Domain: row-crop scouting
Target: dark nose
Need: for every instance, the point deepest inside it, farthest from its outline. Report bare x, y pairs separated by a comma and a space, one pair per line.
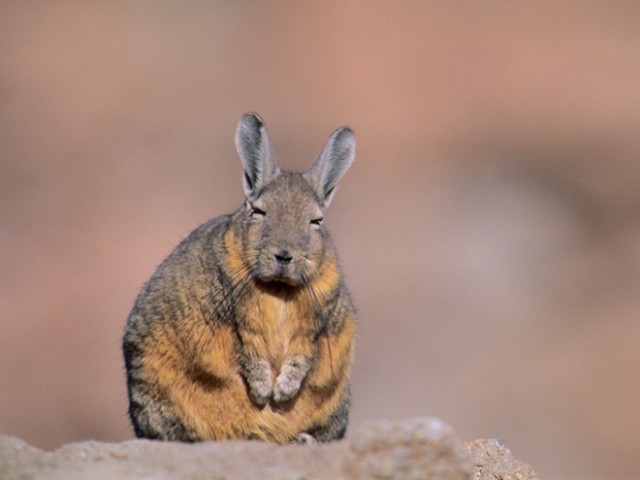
283, 257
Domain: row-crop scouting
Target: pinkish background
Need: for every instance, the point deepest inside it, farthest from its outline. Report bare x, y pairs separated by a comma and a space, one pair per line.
490, 228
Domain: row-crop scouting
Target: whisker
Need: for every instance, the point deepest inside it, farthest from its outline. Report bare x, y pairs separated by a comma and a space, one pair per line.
220, 306
322, 331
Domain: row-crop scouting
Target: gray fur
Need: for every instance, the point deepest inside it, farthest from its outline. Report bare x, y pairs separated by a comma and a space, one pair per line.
336, 157
288, 382
254, 148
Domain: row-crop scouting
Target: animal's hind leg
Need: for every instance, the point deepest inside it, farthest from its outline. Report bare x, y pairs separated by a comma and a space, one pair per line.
153, 418
335, 427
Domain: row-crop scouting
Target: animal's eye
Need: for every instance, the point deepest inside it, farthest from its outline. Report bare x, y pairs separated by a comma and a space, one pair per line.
317, 221
257, 212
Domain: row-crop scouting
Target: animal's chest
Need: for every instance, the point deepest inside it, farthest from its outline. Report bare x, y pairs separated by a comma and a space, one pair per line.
281, 322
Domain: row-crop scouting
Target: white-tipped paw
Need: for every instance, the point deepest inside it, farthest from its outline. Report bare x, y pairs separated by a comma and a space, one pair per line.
260, 391
260, 383
288, 382
305, 439
286, 387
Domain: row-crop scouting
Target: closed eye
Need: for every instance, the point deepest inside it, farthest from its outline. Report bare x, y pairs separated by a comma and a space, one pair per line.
317, 221
255, 211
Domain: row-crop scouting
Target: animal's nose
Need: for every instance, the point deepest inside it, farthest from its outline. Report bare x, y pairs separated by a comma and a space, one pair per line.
283, 257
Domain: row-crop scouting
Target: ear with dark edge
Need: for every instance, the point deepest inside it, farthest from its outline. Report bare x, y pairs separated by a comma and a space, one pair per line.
336, 157
254, 148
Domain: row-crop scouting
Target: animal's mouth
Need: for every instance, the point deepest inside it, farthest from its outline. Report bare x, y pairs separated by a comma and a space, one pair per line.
282, 274
281, 278
277, 288
280, 267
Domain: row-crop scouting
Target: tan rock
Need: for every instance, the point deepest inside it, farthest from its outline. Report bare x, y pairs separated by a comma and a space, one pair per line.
415, 448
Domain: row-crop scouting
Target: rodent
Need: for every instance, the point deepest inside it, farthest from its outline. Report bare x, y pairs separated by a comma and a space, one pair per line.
246, 330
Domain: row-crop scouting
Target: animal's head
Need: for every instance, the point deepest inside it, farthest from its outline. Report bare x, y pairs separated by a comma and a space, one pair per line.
283, 213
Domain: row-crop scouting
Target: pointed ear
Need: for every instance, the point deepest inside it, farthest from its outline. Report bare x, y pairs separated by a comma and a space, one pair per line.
336, 157
254, 148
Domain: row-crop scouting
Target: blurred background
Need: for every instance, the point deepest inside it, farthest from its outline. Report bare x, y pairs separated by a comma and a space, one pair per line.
489, 229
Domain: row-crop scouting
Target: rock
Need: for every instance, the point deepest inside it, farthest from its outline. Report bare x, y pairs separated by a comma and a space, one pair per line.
494, 461
406, 449
419, 448
16, 454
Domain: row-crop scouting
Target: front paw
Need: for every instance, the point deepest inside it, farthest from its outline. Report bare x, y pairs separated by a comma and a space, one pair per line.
260, 382
290, 379
260, 391
286, 387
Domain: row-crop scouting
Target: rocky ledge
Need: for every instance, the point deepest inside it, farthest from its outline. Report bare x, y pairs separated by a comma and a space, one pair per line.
418, 448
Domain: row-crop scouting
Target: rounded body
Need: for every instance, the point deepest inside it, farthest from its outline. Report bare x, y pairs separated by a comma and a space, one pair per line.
186, 336
246, 330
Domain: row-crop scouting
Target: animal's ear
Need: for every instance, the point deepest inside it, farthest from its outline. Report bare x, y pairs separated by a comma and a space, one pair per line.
254, 148
336, 157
